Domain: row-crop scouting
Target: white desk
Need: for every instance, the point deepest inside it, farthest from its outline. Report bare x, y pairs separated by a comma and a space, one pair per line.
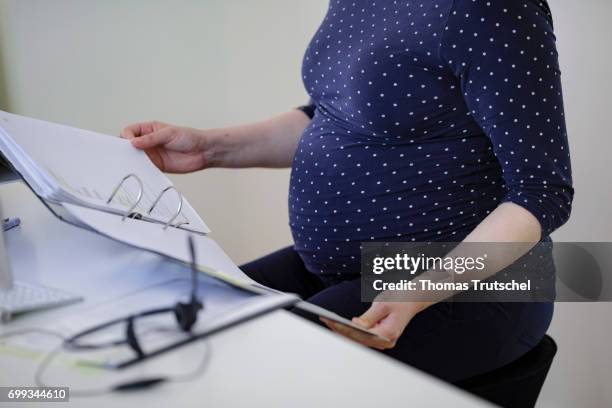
274, 360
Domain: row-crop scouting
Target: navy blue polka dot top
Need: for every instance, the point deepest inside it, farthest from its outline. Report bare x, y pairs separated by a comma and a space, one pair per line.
428, 115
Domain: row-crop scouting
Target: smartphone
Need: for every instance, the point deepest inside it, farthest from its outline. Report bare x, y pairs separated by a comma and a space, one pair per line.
321, 312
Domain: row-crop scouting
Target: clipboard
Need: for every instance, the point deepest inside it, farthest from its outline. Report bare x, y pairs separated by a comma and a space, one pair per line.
57, 209
133, 187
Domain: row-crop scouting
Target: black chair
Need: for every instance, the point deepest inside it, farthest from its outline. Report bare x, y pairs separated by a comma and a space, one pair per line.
518, 384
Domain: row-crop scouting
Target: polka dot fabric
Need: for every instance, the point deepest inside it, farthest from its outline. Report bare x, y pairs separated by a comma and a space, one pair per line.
428, 116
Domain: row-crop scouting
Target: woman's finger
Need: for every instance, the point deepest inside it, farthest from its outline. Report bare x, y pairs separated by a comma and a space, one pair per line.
150, 140
359, 337
137, 130
363, 338
391, 327
127, 133
373, 315
142, 128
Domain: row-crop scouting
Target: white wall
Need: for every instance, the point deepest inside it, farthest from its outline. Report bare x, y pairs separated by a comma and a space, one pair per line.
583, 34
582, 372
103, 64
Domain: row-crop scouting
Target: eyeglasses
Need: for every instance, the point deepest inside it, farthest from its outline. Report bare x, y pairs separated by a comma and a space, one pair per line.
128, 331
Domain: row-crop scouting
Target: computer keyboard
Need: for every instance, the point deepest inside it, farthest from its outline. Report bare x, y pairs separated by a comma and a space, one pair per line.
25, 297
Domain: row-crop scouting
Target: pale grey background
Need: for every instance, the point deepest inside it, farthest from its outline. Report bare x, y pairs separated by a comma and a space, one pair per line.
103, 64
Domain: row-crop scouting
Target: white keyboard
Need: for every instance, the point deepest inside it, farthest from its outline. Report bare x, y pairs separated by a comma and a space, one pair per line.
25, 297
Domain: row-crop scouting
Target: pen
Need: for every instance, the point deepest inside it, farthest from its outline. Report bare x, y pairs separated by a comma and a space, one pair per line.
9, 223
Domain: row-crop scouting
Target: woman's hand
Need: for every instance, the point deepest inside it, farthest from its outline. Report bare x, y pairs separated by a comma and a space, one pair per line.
268, 143
173, 149
387, 319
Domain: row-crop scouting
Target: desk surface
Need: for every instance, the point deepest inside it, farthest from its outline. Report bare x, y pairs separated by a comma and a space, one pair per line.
274, 360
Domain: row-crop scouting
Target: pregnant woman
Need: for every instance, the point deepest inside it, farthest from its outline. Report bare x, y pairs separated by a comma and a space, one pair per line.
428, 121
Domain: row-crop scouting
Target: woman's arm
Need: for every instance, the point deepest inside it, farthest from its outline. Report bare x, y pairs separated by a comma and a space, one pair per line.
175, 149
269, 143
507, 223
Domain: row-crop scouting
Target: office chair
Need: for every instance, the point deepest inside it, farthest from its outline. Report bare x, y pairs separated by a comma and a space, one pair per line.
518, 384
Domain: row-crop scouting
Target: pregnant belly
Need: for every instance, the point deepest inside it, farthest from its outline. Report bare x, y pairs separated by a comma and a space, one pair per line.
345, 190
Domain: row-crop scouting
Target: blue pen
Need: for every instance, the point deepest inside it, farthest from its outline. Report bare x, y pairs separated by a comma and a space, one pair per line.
9, 223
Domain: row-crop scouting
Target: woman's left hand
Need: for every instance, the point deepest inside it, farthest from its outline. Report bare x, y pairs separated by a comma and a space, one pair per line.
387, 319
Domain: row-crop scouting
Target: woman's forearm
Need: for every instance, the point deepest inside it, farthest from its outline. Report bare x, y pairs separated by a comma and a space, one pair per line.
508, 223
269, 143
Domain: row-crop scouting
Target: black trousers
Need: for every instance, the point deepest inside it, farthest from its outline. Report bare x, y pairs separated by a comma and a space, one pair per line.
450, 340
